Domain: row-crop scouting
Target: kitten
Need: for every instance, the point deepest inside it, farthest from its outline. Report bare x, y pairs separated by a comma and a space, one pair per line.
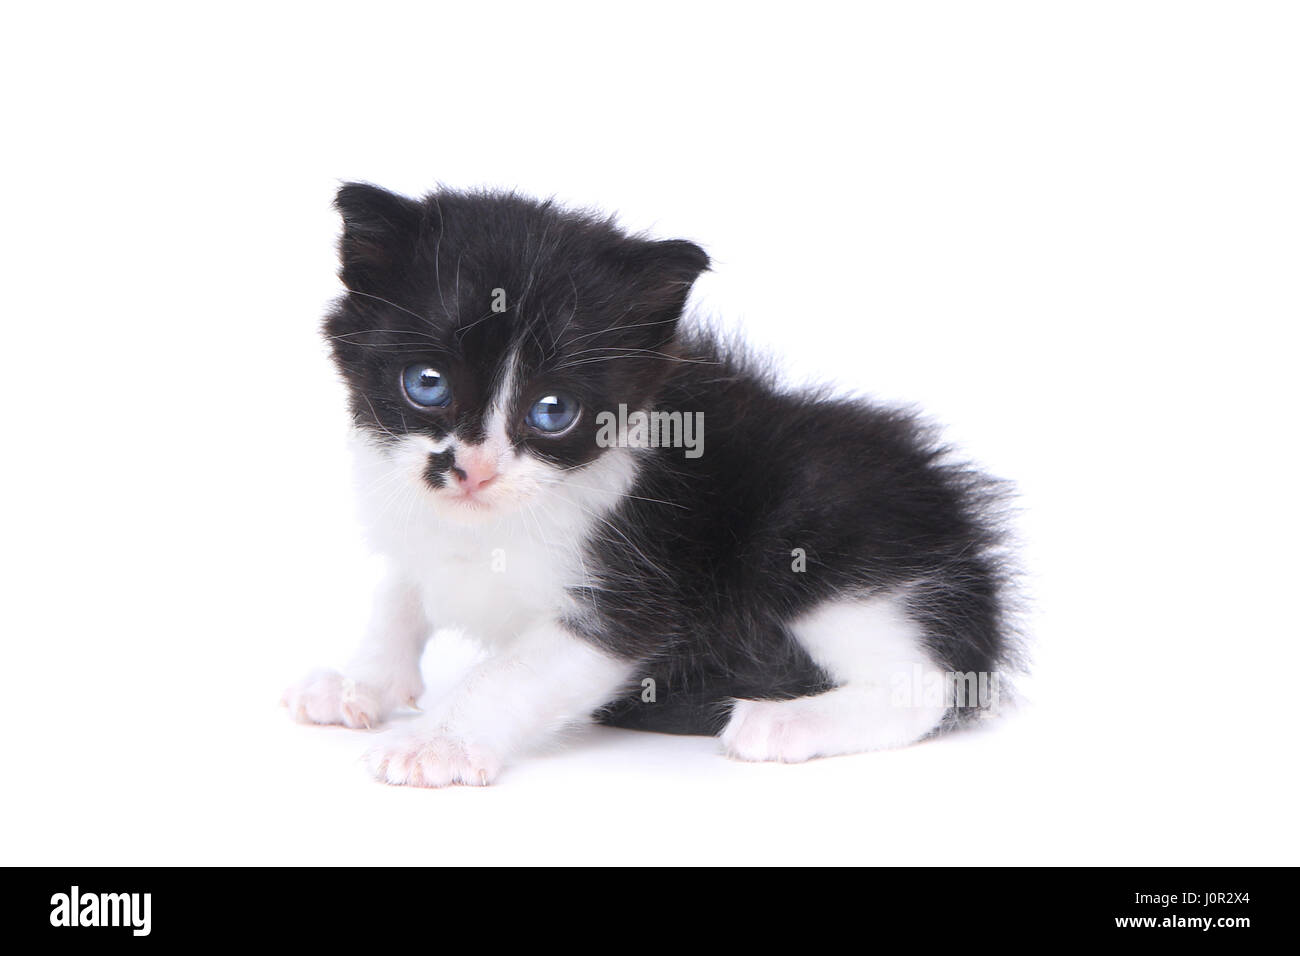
797, 574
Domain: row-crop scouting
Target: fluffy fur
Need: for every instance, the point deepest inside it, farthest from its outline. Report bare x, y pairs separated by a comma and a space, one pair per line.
780, 590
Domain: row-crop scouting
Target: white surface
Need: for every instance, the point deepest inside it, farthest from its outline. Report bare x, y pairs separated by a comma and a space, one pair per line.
1069, 233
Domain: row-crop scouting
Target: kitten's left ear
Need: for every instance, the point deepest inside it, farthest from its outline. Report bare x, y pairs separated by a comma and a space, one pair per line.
662, 273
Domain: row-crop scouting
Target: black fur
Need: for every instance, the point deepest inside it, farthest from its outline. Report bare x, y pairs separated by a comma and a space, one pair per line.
696, 579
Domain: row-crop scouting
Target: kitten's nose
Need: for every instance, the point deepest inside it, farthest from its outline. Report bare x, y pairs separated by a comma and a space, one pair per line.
473, 469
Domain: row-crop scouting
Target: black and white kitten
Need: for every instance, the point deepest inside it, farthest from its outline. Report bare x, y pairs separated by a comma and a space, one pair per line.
786, 570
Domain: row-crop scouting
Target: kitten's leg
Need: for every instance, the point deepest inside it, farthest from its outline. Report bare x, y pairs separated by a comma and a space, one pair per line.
875, 655
383, 675
546, 679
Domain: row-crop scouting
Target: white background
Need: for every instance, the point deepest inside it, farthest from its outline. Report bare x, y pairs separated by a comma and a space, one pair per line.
1070, 232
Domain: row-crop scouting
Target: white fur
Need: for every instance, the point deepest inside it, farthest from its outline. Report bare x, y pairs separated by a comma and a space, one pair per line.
493, 569
498, 566
868, 648
544, 680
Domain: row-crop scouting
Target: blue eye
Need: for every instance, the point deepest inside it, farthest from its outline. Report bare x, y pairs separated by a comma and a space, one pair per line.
553, 413
426, 386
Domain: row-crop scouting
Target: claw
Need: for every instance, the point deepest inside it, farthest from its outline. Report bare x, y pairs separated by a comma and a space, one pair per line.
348, 690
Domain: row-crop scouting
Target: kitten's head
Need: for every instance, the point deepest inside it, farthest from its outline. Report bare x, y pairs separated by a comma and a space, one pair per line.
481, 334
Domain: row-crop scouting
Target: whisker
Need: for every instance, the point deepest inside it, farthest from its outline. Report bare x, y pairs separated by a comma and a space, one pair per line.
564, 482
644, 354
618, 328
422, 335
400, 308
377, 421
462, 331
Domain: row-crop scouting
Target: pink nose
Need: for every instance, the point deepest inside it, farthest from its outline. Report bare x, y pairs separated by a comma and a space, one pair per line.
473, 470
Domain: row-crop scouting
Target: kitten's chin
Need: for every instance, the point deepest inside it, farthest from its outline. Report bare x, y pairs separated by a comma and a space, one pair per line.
471, 510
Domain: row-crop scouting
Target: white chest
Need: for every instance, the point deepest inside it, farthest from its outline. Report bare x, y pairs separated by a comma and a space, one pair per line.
494, 582
493, 577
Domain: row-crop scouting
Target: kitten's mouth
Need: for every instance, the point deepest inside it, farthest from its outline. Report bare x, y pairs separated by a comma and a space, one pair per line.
470, 507
477, 501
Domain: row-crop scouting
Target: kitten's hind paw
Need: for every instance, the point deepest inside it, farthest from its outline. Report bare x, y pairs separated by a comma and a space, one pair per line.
327, 697
846, 720
789, 731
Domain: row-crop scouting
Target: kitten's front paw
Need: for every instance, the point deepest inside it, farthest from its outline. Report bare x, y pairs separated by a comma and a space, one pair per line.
327, 697
432, 758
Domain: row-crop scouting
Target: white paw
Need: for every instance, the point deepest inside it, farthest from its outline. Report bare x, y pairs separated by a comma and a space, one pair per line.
777, 730
432, 758
327, 697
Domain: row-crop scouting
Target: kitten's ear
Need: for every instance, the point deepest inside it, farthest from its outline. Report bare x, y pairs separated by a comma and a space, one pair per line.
381, 232
662, 272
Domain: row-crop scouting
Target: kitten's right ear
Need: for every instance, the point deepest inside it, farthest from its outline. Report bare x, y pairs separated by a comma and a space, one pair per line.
381, 232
